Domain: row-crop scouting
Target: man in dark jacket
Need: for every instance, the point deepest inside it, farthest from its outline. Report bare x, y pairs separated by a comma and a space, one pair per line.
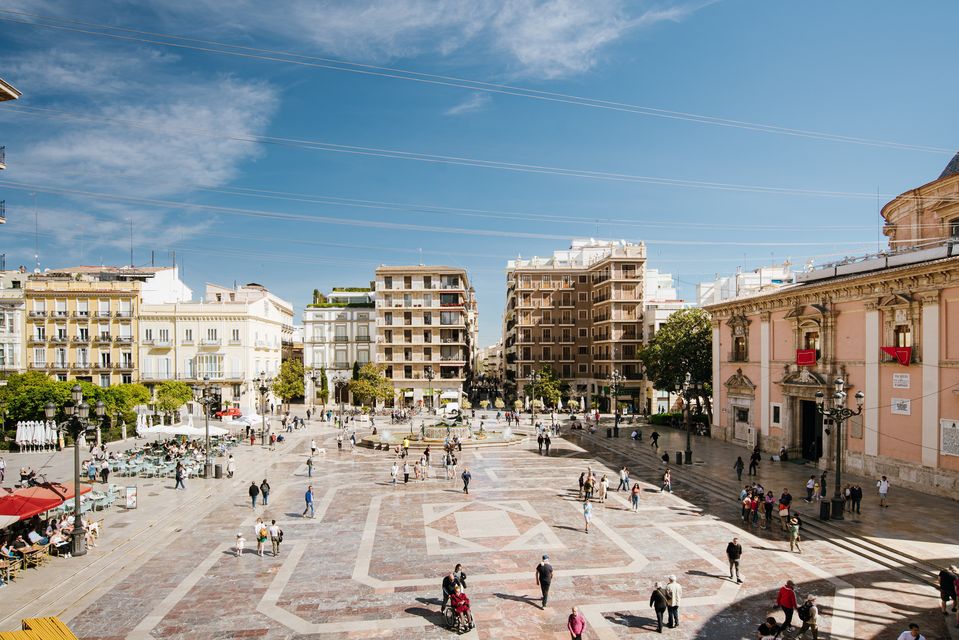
254, 492
657, 600
734, 552
265, 492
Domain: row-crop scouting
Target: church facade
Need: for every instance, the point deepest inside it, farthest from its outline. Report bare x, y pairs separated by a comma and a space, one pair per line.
887, 324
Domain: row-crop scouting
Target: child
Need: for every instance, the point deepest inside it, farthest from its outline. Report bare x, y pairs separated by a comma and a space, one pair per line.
240, 543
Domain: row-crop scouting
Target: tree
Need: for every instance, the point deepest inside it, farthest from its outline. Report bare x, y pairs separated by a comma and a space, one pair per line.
323, 392
371, 385
682, 345
289, 383
171, 395
499, 404
550, 388
25, 394
484, 404
356, 370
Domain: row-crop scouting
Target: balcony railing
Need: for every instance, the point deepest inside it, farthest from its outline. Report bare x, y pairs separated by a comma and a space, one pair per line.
60, 339
123, 365
104, 338
234, 341
210, 342
81, 314
36, 313
61, 313
124, 314
156, 376
38, 365
147, 341
187, 342
341, 365
103, 314
342, 338
124, 339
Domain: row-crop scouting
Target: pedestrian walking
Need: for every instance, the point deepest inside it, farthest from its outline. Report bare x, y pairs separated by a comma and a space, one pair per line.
739, 465
623, 480
276, 537
105, 471
634, 495
254, 492
3, 468
810, 487
734, 551
794, 534
674, 596
659, 601
654, 440
547, 441
947, 587
603, 488
539, 441
582, 485
912, 633
467, 476
544, 577
239, 544
575, 624
313, 447
262, 533
587, 513
406, 472
857, 498
265, 492
309, 467
786, 600
252, 438
394, 470
809, 615
308, 497
883, 486
667, 482
230, 466
785, 504
754, 461
178, 474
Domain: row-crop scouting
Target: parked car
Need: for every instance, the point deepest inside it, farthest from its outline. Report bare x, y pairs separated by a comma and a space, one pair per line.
232, 412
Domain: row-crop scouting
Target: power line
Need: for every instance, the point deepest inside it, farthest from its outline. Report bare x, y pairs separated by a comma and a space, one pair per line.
270, 55
399, 154
277, 215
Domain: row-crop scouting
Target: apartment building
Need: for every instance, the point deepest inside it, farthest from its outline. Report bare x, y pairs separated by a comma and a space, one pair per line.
579, 312
229, 337
661, 302
745, 283
12, 343
81, 323
7, 92
426, 332
339, 329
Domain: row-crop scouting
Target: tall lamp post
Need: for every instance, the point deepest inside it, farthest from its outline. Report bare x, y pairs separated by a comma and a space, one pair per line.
838, 413
685, 389
263, 386
339, 381
205, 395
77, 423
532, 381
615, 383
314, 377
430, 375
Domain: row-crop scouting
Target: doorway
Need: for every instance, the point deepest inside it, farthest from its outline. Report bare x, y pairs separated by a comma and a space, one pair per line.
811, 424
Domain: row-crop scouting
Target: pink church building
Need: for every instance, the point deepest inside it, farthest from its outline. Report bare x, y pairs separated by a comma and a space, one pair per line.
887, 324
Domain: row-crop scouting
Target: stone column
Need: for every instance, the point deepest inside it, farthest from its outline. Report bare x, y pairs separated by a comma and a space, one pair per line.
718, 427
764, 375
871, 358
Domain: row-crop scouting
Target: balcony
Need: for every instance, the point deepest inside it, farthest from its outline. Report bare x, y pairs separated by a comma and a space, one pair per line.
127, 366
61, 313
60, 365
262, 343
210, 342
187, 342
233, 342
38, 365
60, 339
37, 339
81, 314
103, 338
341, 339
162, 344
156, 376
124, 339
82, 365
124, 314
147, 342
103, 314
37, 314
362, 339
342, 365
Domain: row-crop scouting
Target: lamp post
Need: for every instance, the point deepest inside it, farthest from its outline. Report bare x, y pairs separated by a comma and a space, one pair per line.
839, 413
615, 383
314, 377
684, 389
339, 380
205, 395
532, 382
78, 413
263, 386
430, 375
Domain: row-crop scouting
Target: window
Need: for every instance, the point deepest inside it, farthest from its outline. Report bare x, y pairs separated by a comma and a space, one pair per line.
527, 353
188, 335
40, 333
61, 357
237, 391
583, 368
83, 358
388, 282
428, 354
211, 334
104, 380
83, 308
61, 332
235, 335
547, 353
954, 229
126, 360
407, 335
902, 335
739, 349
449, 317
126, 378
811, 341
104, 307
388, 336
427, 336
741, 413
582, 314
104, 331
388, 354
582, 296
407, 318
40, 307
104, 358
583, 333
388, 318
408, 372
148, 334
427, 282
584, 351
126, 309
39, 356
567, 371
363, 356
407, 282
84, 333
428, 318
547, 335
407, 300
775, 414
567, 353
582, 279
60, 308
209, 365
408, 354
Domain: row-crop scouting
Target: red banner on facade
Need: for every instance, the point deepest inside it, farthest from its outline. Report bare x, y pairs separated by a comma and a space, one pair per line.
902, 354
805, 357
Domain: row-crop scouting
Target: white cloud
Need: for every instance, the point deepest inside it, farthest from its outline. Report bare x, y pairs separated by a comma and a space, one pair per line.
475, 102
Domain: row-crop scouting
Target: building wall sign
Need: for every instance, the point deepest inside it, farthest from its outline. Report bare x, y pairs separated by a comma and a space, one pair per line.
950, 437
900, 381
901, 406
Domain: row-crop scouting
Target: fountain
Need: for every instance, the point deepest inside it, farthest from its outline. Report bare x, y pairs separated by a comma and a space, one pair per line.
447, 429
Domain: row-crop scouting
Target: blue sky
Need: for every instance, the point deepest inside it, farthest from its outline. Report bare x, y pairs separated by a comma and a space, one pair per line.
216, 156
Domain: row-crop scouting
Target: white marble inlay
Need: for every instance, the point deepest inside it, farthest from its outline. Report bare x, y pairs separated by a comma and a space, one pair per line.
485, 524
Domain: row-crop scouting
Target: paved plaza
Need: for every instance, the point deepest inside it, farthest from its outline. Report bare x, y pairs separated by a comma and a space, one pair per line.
369, 564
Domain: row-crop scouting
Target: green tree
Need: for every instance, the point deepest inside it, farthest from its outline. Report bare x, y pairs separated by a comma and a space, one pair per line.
289, 383
171, 395
25, 394
484, 404
323, 391
371, 385
356, 370
550, 388
682, 345
499, 404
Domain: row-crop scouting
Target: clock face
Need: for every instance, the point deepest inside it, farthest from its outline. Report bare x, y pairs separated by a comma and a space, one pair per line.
737, 331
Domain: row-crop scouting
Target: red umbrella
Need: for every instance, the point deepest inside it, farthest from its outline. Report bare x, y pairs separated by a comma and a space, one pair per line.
26, 503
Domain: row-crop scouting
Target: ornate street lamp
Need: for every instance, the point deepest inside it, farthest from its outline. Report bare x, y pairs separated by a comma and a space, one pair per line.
685, 389
77, 423
205, 394
339, 381
263, 386
615, 384
838, 413
532, 381
314, 377
430, 375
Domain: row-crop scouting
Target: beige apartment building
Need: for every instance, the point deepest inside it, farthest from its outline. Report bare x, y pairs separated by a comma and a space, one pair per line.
7, 92
579, 312
81, 323
426, 332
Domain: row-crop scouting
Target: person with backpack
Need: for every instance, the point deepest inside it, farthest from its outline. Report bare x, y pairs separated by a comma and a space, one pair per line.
276, 537
786, 600
809, 614
265, 492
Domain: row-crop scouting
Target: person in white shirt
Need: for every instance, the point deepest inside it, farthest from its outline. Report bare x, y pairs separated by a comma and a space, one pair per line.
674, 594
812, 618
912, 633
239, 544
883, 486
276, 536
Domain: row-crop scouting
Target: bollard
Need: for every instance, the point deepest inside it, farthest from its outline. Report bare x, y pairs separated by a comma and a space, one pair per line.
679, 457
218, 471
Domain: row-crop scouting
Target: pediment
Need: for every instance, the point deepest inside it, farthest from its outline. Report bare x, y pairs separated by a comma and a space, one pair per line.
804, 377
739, 382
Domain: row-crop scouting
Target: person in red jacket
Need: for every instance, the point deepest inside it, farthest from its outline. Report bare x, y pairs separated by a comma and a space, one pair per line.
461, 605
786, 600
576, 624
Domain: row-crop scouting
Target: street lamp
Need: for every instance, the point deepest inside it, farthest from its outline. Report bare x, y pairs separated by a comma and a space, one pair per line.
615, 383
685, 389
263, 386
314, 377
77, 423
205, 395
430, 374
838, 413
532, 381
339, 380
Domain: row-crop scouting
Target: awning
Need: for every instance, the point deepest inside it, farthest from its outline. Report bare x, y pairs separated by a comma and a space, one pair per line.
450, 395
181, 430
26, 503
408, 394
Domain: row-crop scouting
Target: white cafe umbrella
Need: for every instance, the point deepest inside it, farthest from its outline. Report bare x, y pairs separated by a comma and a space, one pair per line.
35, 434
582, 403
19, 437
51, 433
527, 403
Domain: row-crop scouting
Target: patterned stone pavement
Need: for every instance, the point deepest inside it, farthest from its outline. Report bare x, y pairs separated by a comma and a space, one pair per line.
370, 564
